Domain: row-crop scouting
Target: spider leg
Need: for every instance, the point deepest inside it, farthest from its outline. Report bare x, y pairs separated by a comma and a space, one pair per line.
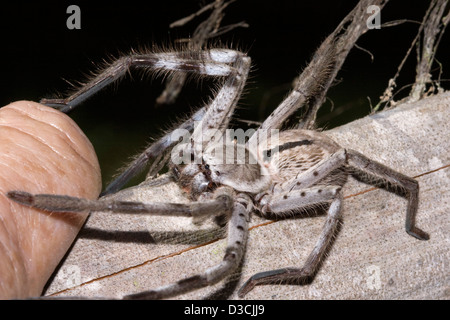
221, 203
293, 200
371, 167
150, 154
221, 108
362, 163
200, 62
307, 272
310, 83
237, 239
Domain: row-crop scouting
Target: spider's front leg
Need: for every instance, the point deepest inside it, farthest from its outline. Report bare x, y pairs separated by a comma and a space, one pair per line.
217, 63
214, 62
220, 204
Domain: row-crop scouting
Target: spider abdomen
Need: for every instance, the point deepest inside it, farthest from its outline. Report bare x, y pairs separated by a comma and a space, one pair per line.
296, 151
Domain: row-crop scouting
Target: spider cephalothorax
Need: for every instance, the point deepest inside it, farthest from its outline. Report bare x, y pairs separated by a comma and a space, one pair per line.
221, 164
296, 170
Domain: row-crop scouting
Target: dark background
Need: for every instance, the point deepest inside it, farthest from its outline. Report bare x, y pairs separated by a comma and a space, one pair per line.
39, 52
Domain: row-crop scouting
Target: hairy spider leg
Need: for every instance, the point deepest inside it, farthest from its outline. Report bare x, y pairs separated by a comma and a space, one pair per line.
200, 62
220, 204
151, 154
306, 86
410, 185
236, 243
312, 264
231, 64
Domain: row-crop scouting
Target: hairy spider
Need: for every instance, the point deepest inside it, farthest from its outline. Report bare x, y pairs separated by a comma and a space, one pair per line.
273, 173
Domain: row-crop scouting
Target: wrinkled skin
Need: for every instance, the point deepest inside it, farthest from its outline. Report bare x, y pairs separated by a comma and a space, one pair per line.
41, 151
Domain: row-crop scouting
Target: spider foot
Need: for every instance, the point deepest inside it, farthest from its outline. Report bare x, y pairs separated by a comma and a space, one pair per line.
21, 197
146, 295
272, 276
418, 233
58, 104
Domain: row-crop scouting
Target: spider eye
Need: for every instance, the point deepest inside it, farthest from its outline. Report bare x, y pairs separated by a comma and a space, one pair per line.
207, 166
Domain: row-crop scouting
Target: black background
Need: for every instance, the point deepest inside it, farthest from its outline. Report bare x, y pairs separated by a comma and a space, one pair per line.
39, 51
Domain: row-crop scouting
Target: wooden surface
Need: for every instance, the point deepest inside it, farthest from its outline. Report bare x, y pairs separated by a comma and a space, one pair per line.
372, 257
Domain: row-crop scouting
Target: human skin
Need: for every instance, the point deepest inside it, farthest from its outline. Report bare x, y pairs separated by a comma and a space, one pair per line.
41, 151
